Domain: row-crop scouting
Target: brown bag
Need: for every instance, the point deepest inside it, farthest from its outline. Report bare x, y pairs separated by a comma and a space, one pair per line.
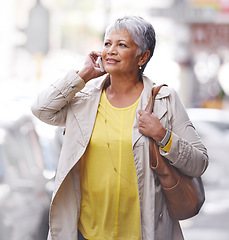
184, 195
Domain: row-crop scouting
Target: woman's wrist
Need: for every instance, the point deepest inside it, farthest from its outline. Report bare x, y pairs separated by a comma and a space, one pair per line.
83, 73
160, 135
168, 146
163, 142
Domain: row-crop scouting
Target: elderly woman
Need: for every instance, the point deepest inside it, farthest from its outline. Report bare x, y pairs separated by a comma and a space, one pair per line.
104, 187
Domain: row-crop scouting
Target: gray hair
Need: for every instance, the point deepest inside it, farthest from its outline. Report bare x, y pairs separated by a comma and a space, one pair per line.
141, 31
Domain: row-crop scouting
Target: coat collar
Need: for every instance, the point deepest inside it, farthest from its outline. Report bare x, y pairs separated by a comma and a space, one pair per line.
92, 92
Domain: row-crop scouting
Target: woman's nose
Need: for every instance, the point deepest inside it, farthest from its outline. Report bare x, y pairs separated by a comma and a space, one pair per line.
112, 50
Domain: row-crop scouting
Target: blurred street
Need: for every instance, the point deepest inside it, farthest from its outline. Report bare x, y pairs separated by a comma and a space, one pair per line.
42, 40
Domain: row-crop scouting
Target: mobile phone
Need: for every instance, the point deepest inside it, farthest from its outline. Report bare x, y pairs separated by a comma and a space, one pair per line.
100, 64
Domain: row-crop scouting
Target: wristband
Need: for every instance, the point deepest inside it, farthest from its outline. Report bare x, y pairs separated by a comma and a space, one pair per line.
165, 140
168, 145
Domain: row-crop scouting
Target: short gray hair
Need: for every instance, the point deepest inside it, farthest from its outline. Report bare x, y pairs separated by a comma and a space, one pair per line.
141, 31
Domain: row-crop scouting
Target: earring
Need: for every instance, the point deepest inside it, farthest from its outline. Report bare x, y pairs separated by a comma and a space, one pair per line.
140, 67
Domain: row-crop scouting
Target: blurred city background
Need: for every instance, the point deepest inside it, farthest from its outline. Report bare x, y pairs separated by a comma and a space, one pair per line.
41, 40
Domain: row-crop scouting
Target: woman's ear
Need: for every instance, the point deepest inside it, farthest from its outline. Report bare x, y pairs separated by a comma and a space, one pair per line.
144, 57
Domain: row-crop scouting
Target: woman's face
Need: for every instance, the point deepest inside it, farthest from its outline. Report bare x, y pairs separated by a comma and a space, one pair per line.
119, 53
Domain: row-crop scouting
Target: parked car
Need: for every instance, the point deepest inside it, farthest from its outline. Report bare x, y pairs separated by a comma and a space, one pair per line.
213, 220
28, 161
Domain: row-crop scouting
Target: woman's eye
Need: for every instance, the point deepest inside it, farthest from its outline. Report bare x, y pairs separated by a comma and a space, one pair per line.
122, 44
106, 44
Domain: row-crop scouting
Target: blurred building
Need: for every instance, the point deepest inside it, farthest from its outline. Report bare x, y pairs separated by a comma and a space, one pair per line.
201, 29
41, 40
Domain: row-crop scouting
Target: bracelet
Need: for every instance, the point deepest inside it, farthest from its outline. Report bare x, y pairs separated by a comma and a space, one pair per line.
168, 145
165, 140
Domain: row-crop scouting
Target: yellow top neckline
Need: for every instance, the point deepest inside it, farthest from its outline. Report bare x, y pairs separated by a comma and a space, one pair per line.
117, 108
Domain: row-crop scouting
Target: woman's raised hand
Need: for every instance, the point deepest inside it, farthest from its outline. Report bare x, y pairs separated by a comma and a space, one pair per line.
91, 68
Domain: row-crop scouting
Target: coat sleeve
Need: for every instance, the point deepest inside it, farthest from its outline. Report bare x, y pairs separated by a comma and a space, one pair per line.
51, 105
187, 152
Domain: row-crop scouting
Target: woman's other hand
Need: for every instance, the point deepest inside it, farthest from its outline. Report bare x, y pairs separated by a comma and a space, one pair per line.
150, 126
91, 67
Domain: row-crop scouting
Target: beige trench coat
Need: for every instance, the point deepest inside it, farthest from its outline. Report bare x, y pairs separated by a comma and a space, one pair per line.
70, 103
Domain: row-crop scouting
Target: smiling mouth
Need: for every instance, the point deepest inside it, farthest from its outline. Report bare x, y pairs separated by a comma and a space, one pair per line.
112, 61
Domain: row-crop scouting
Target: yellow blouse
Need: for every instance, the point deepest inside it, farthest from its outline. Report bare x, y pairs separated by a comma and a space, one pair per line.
110, 201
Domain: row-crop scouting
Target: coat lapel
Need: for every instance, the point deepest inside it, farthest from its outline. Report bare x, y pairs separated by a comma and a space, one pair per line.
85, 114
160, 108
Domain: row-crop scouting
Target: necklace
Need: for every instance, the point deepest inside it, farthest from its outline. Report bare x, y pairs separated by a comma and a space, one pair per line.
116, 170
